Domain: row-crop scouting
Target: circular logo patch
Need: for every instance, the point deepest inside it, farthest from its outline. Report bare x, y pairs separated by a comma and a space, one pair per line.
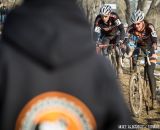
55, 111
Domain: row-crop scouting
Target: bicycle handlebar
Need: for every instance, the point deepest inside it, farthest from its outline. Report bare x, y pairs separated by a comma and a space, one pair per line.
102, 46
145, 54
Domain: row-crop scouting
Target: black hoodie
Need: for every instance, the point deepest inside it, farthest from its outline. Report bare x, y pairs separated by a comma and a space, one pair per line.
47, 52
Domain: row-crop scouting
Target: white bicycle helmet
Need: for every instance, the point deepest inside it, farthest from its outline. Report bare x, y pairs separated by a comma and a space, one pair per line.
137, 16
105, 9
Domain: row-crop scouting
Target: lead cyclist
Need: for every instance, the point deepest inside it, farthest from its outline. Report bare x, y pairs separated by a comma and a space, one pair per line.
108, 29
146, 39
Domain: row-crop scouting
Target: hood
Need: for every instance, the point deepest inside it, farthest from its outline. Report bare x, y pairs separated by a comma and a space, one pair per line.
51, 32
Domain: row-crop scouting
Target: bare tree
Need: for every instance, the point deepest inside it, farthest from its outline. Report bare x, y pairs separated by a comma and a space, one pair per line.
152, 7
141, 4
128, 11
91, 8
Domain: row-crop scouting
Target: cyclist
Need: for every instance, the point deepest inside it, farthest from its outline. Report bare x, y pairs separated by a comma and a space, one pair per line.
109, 30
146, 39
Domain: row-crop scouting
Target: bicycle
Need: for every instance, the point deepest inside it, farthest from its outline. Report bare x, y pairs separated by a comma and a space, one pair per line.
109, 52
139, 90
112, 56
132, 44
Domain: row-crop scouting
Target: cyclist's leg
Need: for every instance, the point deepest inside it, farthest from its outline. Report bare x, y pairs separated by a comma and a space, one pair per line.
128, 50
118, 54
135, 57
105, 41
150, 72
96, 38
152, 81
123, 50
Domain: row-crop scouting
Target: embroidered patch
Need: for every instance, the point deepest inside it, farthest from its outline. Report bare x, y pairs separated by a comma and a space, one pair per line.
55, 111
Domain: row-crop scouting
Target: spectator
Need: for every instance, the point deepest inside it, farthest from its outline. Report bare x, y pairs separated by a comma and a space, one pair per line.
51, 76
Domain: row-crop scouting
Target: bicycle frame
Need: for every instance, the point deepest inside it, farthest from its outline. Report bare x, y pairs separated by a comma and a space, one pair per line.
144, 92
110, 54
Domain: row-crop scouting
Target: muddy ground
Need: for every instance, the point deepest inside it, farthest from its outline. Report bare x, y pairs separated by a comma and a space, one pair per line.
153, 118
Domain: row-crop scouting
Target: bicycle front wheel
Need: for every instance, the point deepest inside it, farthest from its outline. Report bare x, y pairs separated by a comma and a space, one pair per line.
135, 94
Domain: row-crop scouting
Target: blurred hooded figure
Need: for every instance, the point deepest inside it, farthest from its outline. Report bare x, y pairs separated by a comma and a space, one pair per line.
50, 74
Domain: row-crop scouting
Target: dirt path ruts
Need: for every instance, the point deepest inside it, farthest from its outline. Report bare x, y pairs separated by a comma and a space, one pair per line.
153, 118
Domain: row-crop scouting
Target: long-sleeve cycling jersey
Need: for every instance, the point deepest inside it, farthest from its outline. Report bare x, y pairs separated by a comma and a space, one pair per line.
146, 37
114, 25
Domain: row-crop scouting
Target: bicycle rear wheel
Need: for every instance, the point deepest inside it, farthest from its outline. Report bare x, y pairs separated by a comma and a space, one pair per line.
112, 59
135, 94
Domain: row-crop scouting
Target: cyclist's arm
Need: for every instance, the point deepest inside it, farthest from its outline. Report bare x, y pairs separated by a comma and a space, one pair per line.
97, 22
128, 34
120, 26
97, 30
122, 32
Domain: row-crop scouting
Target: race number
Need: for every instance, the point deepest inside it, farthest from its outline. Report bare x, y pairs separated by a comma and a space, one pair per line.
97, 29
154, 34
118, 22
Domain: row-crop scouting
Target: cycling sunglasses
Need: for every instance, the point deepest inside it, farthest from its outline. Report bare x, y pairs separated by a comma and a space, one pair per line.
105, 16
137, 23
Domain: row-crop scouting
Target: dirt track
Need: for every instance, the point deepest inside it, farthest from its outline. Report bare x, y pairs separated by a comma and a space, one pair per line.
153, 118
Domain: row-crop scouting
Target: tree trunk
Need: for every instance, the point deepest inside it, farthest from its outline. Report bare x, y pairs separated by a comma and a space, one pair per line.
151, 8
141, 4
128, 11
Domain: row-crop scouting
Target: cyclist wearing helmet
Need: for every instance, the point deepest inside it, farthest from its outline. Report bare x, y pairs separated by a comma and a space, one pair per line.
109, 30
146, 38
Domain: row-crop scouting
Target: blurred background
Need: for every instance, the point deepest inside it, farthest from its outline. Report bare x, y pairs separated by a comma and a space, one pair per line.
124, 9
91, 9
